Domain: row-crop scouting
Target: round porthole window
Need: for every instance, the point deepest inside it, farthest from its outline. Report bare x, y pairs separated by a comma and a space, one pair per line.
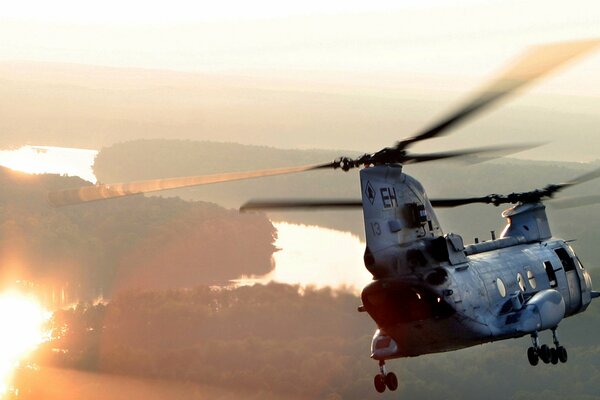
521, 281
501, 287
531, 279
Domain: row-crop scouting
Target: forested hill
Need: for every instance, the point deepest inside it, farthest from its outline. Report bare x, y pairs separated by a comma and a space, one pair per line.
148, 159
145, 243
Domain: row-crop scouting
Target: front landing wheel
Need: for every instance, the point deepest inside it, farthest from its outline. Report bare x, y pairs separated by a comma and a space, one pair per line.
391, 381
379, 383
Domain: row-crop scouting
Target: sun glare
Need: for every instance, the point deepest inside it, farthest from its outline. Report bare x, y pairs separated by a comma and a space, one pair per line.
50, 160
23, 319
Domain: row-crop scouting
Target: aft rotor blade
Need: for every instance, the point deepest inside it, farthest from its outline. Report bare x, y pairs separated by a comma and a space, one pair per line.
583, 178
534, 64
573, 202
100, 192
588, 176
491, 152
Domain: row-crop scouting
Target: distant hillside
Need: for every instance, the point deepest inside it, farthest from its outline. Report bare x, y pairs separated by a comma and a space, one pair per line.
144, 243
167, 158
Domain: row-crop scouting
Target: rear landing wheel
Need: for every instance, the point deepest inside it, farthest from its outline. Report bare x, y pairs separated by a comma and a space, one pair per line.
391, 381
544, 353
553, 356
532, 356
379, 383
562, 354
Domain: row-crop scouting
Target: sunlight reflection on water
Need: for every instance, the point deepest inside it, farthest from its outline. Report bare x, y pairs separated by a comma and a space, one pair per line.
312, 255
308, 255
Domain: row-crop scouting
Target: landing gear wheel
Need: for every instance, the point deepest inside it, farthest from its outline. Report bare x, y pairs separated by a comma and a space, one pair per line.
554, 356
562, 354
391, 381
379, 383
532, 356
544, 353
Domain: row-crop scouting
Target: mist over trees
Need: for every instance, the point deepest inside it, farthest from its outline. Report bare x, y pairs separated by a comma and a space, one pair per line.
262, 342
145, 243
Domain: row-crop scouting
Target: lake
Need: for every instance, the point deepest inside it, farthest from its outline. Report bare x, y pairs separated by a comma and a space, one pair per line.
308, 255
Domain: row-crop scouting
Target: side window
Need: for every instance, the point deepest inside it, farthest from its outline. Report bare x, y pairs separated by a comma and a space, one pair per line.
551, 275
565, 259
521, 282
531, 279
501, 287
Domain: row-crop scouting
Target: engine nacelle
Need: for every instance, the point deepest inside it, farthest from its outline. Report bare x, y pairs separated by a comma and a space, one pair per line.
543, 311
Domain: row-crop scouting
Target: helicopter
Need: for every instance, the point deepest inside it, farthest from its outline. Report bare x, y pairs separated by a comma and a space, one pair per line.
430, 292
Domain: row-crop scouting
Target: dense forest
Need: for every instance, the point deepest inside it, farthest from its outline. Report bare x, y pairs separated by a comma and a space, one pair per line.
145, 243
276, 342
167, 328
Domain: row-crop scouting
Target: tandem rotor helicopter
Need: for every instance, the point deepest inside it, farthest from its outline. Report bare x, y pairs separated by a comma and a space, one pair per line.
430, 292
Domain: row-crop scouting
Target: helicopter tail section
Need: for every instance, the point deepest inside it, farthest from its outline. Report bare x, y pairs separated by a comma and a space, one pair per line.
398, 220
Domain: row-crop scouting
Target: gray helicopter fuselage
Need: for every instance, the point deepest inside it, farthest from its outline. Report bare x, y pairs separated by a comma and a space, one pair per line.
431, 293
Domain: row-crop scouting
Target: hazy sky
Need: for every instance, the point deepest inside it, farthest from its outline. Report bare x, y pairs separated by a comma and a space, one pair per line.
420, 37
418, 49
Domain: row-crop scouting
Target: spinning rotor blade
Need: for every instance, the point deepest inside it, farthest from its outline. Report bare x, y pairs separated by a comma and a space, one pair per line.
309, 204
531, 196
534, 64
491, 152
451, 203
109, 191
573, 202
299, 204
581, 179
391, 156
496, 199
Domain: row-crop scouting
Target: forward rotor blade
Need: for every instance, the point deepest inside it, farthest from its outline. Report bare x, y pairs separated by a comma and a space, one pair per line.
534, 64
109, 191
299, 204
